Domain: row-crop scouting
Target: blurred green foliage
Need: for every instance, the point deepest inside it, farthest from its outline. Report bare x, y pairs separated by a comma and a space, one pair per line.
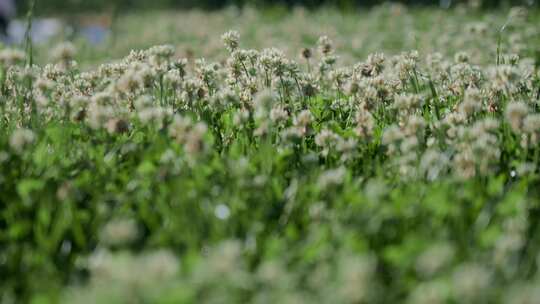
51, 6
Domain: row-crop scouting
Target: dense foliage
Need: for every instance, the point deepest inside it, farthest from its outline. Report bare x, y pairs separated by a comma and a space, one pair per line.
270, 179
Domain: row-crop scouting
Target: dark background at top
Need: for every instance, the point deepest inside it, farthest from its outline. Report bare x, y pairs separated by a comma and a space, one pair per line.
67, 6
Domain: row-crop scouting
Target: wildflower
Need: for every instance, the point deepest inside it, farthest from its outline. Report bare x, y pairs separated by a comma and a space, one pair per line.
278, 114
472, 102
179, 127
44, 85
434, 259
162, 51
303, 119
470, 282
129, 83
461, 57
408, 103
65, 191
465, 164
117, 125
264, 99
195, 139
365, 124
433, 292
306, 53
516, 112
355, 277
119, 232
325, 45
230, 39
391, 136
224, 259
20, 139
433, 164
160, 265
222, 212
347, 148
331, 177
64, 52
326, 138
522, 293
173, 78
9, 57
414, 125
531, 126
159, 57
241, 117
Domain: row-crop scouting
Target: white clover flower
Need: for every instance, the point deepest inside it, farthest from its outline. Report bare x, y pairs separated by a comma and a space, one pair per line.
515, 114
391, 135
510, 243
129, 83
173, 78
472, 102
325, 45
407, 102
326, 139
119, 232
303, 119
163, 51
355, 277
20, 139
531, 126
117, 125
195, 138
159, 265
470, 282
432, 292
465, 164
98, 115
179, 128
264, 99
434, 258
224, 258
127, 271
523, 293
241, 117
433, 164
231, 40
333, 177
222, 212
414, 125
64, 52
461, 57
154, 115
9, 57
278, 114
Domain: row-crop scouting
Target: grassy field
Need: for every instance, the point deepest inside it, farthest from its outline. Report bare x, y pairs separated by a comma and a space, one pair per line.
389, 29
383, 156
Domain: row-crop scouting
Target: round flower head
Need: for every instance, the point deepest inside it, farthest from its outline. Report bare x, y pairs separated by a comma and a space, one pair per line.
515, 115
325, 45
64, 52
20, 139
231, 40
306, 53
9, 57
119, 232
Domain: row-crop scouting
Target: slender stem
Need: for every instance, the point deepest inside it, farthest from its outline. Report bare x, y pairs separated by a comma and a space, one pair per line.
27, 34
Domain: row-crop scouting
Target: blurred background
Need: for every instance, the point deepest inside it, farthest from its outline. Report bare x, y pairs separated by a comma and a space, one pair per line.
111, 28
59, 6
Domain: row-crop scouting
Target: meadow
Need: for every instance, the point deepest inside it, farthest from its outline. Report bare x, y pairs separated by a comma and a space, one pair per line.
241, 156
